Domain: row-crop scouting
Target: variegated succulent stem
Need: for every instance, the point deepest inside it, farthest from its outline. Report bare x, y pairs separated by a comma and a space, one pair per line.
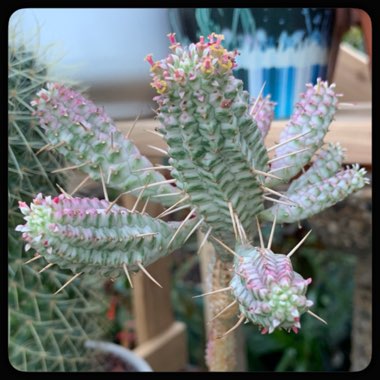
90, 141
221, 352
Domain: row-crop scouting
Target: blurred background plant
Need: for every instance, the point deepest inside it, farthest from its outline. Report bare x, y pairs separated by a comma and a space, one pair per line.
354, 37
46, 332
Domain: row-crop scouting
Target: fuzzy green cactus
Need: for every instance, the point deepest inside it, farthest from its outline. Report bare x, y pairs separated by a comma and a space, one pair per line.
45, 332
223, 174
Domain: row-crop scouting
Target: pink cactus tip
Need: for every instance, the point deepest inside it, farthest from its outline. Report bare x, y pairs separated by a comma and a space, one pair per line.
149, 59
172, 39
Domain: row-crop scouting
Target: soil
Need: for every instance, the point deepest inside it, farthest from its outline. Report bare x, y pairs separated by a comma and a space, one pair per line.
111, 363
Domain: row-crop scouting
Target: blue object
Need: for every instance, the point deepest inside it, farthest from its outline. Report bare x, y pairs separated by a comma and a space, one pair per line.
283, 47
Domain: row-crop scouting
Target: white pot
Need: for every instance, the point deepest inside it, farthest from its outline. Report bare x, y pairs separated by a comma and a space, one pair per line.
122, 353
99, 44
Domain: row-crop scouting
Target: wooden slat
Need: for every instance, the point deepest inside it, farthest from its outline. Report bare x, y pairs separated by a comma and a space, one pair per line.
166, 351
158, 335
352, 128
152, 305
352, 75
205, 257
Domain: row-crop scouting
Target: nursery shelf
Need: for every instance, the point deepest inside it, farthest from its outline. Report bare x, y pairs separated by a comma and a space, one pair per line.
352, 128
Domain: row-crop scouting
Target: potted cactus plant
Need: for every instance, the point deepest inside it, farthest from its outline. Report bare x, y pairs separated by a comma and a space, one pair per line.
221, 171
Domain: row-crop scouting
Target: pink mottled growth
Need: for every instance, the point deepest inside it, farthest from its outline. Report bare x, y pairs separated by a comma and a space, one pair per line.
268, 291
187, 64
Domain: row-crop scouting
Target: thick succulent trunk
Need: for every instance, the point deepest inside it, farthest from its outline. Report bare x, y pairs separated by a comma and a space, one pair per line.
221, 352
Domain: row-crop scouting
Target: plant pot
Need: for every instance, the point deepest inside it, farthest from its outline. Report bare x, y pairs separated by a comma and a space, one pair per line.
281, 47
117, 358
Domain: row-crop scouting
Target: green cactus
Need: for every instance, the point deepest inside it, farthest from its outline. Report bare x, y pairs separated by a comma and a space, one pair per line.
80, 234
86, 136
223, 174
46, 332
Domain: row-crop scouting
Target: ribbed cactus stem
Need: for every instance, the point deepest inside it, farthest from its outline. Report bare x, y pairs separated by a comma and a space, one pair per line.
318, 196
88, 138
313, 114
84, 236
327, 163
213, 141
